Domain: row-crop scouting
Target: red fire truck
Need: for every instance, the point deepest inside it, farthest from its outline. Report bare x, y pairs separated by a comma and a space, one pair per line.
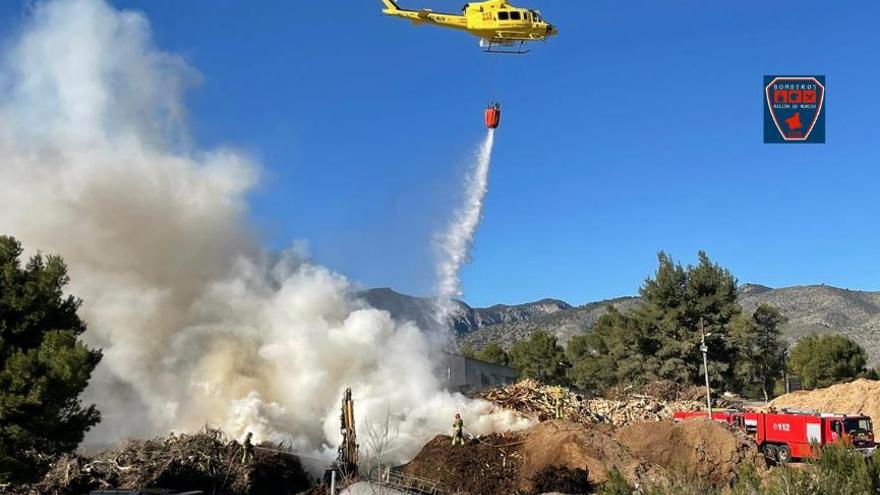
787, 435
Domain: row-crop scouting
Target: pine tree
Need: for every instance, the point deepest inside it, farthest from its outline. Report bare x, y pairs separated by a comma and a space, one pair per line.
760, 349
660, 339
540, 358
43, 366
822, 361
494, 353
467, 351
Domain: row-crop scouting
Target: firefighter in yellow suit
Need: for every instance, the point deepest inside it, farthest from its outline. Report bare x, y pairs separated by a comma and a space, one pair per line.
457, 431
560, 402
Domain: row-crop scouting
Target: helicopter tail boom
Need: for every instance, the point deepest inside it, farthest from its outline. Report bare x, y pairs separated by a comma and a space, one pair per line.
390, 6
426, 16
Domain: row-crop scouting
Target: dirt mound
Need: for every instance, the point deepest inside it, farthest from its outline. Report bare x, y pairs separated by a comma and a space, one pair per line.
575, 446
205, 461
529, 461
571, 457
697, 448
489, 465
858, 397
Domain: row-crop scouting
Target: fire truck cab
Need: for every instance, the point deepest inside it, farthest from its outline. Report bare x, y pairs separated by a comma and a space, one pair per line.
787, 435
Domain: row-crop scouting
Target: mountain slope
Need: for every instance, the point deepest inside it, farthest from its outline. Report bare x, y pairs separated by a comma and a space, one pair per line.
564, 324
816, 308
824, 309
467, 319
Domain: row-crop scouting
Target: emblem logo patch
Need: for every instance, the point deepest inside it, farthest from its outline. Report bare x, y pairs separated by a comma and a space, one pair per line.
794, 109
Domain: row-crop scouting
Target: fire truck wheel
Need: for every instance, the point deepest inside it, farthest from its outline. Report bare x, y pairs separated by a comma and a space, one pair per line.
783, 454
770, 452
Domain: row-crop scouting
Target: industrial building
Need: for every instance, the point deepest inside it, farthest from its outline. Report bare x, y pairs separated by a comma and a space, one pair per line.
463, 374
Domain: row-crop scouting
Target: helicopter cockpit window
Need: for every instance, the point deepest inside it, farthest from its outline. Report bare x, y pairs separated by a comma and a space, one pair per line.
536, 16
503, 15
514, 16
527, 16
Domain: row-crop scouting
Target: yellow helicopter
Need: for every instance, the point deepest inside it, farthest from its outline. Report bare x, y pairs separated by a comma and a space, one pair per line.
501, 27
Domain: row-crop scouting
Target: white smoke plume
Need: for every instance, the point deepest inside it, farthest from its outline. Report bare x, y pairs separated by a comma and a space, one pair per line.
454, 245
198, 325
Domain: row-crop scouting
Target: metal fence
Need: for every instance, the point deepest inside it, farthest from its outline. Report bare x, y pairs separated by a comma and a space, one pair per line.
397, 480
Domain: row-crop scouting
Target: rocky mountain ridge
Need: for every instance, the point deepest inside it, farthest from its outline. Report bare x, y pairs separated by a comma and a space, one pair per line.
466, 319
815, 308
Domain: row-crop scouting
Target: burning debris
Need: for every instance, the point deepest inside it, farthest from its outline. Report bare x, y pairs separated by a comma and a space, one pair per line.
206, 461
487, 465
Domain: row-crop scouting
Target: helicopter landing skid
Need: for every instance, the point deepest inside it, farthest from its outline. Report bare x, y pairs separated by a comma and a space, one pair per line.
504, 47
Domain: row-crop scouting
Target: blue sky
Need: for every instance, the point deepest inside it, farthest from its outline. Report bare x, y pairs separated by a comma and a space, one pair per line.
637, 130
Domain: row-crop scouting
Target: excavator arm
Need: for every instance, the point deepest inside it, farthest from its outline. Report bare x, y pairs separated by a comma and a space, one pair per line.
348, 450
346, 465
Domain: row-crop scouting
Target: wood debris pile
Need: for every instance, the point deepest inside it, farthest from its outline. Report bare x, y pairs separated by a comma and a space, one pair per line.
206, 461
666, 390
534, 399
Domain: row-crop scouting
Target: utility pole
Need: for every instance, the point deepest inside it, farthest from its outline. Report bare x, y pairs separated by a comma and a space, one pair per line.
705, 350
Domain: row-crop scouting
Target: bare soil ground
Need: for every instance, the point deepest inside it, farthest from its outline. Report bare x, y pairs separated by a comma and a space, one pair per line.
696, 448
578, 446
